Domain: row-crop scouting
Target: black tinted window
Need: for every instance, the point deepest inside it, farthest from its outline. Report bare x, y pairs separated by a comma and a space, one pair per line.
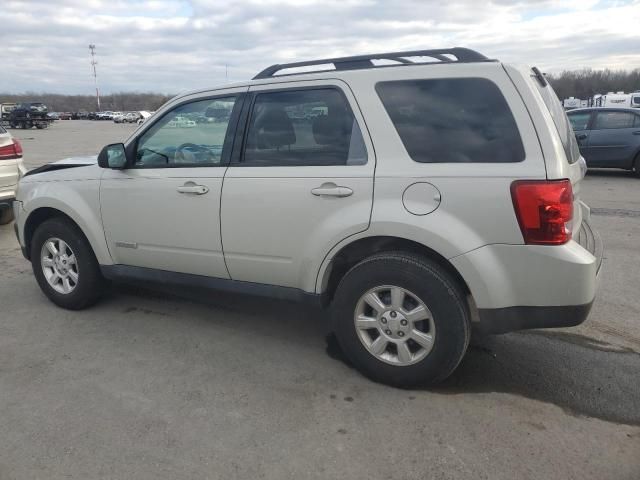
303, 127
452, 120
607, 120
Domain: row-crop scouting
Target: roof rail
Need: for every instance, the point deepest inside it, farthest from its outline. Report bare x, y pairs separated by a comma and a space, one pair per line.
462, 55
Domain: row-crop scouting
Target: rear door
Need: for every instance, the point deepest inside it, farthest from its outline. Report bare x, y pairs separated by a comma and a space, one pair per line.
612, 140
299, 183
581, 124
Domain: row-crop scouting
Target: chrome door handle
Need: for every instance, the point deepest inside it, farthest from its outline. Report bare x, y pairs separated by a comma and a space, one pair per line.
193, 189
331, 190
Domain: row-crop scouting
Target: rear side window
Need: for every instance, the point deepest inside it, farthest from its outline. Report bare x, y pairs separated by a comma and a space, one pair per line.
579, 121
610, 120
562, 124
2, 130
311, 127
452, 120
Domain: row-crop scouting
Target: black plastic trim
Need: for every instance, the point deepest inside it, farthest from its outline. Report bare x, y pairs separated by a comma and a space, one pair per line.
509, 319
151, 276
52, 167
463, 55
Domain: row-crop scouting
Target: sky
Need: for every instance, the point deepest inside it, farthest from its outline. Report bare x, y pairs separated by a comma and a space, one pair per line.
170, 46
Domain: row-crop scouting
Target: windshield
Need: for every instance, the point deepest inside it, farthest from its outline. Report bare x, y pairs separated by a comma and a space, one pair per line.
636, 100
563, 126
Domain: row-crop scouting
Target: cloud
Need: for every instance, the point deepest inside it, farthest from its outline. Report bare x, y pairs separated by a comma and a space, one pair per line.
174, 45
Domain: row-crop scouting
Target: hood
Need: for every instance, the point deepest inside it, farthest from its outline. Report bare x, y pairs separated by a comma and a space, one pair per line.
71, 162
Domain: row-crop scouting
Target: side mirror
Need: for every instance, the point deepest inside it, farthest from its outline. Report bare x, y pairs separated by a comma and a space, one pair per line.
113, 156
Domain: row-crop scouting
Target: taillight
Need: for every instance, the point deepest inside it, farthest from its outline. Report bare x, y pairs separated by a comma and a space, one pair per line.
544, 209
11, 151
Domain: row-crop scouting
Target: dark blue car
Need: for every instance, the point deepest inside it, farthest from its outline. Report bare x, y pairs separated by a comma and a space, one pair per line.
608, 137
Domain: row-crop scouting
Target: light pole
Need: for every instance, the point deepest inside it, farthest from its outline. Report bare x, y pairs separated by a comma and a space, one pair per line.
92, 50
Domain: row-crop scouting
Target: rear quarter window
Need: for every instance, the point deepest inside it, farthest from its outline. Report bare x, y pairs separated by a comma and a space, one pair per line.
452, 120
560, 120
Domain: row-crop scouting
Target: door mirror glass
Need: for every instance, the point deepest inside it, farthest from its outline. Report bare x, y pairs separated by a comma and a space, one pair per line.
113, 156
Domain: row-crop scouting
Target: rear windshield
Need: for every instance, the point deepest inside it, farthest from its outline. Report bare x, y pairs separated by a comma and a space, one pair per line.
563, 126
452, 120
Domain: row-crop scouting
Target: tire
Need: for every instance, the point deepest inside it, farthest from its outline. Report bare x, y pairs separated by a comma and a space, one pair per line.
6, 216
635, 169
89, 283
421, 282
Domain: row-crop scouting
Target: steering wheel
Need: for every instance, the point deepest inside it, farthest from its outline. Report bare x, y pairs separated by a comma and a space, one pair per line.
186, 153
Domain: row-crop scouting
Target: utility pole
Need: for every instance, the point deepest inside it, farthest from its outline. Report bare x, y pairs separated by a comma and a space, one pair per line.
92, 50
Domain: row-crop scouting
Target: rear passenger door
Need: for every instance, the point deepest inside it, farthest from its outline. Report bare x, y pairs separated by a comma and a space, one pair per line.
612, 139
300, 181
581, 122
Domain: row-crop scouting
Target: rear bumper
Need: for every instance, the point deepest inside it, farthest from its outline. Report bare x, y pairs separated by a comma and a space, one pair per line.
519, 287
503, 320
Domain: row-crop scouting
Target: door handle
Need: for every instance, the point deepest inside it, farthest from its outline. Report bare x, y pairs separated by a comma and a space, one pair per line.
192, 188
581, 136
637, 132
331, 190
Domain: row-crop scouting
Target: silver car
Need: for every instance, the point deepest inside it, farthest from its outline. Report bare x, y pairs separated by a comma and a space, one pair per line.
416, 201
11, 169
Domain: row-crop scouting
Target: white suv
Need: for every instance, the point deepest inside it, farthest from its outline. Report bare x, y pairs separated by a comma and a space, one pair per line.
416, 199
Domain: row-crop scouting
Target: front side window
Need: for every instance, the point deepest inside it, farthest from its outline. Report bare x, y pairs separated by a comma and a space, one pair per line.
452, 120
192, 134
579, 121
303, 128
610, 120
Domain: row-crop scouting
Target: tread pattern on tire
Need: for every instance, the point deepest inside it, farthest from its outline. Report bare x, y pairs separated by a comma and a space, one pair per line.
436, 271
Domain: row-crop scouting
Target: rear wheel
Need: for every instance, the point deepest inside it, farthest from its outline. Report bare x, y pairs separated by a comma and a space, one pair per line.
635, 169
401, 319
64, 265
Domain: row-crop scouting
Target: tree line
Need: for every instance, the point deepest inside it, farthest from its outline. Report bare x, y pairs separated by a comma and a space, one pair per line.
121, 101
586, 83
577, 83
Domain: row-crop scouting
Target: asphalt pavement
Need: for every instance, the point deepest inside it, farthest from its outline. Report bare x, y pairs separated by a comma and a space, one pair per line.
150, 385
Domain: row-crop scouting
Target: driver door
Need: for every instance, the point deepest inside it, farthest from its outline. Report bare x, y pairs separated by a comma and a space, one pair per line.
162, 211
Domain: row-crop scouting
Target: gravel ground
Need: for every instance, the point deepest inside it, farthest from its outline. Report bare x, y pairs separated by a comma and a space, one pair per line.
150, 385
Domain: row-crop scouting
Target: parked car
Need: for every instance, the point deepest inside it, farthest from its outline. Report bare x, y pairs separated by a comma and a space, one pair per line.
118, 117
53, 115
131, 117
608, 137
64, 115
476, 220
11, 169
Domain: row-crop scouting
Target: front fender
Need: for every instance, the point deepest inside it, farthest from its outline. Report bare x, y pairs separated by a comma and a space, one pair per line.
79, 200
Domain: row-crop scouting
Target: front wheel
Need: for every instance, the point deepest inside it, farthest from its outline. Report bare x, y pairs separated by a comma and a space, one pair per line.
64, 265
401, 319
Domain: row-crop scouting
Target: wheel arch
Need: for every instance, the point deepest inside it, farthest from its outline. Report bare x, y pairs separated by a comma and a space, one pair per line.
42, 214
356, 251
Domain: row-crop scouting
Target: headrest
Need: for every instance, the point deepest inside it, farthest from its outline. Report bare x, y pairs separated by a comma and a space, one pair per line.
331, 129
273, 129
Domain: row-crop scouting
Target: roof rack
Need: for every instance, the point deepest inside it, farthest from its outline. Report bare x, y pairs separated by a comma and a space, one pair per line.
461, 55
